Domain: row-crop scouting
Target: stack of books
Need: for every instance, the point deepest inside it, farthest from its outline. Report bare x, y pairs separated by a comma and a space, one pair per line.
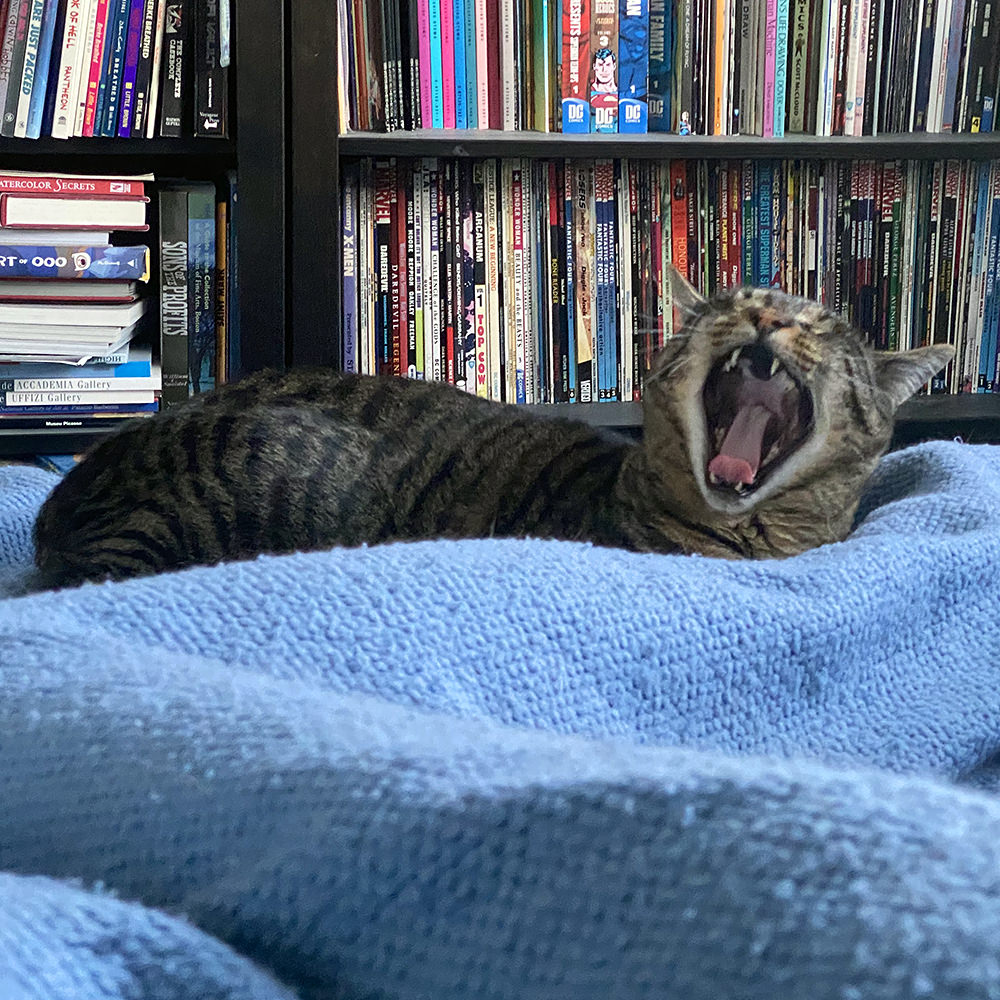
72, 329
113, 68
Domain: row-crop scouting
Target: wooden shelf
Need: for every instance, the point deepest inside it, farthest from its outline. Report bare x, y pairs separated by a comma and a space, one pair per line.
656, 145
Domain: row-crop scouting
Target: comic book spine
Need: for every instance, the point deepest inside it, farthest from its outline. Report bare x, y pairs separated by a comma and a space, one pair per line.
943, 319
509, 33
576, 66
11, 93
482, 65
461, 94
383, 246
953, 58
922, 80
493, 286
466, 271
479, 279
622, 260
770, 54
660, 65
419, 283
435, 369
436, 81
397, 270
563, 355
94, 67
412, 279
865, 64
604, 323
603, 76
349, 196
115, 41
853, 54
446, 209
633, 65
780, 71
583, 263
981, 186
517, 274
569, 198
533, 324
988, 348
446, 15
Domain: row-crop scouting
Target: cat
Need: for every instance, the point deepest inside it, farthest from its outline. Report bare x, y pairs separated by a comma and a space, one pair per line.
763, 419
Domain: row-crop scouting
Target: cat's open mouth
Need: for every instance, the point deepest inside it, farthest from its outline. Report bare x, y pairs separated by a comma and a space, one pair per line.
757, 415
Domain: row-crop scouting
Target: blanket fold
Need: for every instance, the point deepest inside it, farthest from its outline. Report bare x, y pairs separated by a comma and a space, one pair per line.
519, 769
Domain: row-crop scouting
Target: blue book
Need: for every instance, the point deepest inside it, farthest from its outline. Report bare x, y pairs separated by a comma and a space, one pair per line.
49, 108
634, 62
56, 261
461, 94
570, 283
606, 319
39, 88
233, 355
780, 63
116, 45
471, 81
139, 365
991, 311
762, 264
117, 10
201, 287
349, 311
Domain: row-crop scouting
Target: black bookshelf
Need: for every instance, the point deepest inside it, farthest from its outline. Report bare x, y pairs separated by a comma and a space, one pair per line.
654, 145
257, 149
973, 418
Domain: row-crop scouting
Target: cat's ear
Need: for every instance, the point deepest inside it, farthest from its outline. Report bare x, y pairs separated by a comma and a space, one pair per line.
901, 374
687, 299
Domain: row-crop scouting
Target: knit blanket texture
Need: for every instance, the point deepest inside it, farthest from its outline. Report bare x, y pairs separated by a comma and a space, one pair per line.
508, 769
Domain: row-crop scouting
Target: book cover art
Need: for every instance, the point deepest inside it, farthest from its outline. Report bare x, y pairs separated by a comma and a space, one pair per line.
603, 77
53, 261
634, 64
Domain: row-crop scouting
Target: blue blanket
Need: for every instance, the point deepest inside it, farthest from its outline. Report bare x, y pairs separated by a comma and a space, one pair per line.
530, 769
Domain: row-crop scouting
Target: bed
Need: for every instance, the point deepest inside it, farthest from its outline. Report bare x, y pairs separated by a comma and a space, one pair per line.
514, 768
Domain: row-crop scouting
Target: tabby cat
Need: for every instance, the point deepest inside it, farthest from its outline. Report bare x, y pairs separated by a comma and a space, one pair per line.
763, 419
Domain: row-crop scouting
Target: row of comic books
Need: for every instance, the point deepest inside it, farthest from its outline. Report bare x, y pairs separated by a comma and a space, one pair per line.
530, 281
753, 67
114, 68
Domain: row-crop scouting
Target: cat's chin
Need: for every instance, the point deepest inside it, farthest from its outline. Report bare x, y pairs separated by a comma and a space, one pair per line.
757, 417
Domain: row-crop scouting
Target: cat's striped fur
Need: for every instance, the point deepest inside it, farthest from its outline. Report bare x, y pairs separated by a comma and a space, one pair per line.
312, 459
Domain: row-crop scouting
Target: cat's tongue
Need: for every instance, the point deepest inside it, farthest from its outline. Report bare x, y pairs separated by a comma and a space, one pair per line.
739, 457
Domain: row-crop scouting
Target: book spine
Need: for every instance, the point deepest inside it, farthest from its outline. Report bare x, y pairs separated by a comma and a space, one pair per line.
29, 73
482, 65
493, 287
446, 11
607, 339
633, 60
953, 57
780, 73
144, 67
130, 62
770, 54
349, 311
413, 275
95, 68
201, 285
495, 41
922, 82
575, 66
40, 83
176, 47
509, 73
44, 261
798, 78
604, 67
419, 282
174, 298
584, 279
479, 278
116, 43
210, 79
469, 34
458, 62
9, 10
659, 73
436, 69
13, 88
466, 278
81, 71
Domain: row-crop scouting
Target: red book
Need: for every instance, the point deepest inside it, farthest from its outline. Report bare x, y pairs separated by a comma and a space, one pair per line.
71, 184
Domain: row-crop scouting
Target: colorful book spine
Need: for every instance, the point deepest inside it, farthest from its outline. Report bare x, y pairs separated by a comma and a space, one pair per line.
12, 93
126, 103
117, 44
575, 66
780, 64
144, 66
94, 68
29, 76
569, 194
349, 325
603, 82
482, 65
55, 261
458, 61
634, 64
660, 65
470, 63
606, 317
201, 287
36, 108
446, 10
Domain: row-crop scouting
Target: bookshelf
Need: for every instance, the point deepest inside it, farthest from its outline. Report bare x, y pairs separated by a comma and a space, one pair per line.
256, 149
319, 147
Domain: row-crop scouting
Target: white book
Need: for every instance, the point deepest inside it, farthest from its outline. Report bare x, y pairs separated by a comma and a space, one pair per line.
19, 236
130, 383
44, 211
71, 315
67, 85
83, 56
154, 84
45, 397
44, 289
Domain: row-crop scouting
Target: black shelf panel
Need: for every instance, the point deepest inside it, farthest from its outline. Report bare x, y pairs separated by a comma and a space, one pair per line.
11, 149
975, 418
24, 443
474, 143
